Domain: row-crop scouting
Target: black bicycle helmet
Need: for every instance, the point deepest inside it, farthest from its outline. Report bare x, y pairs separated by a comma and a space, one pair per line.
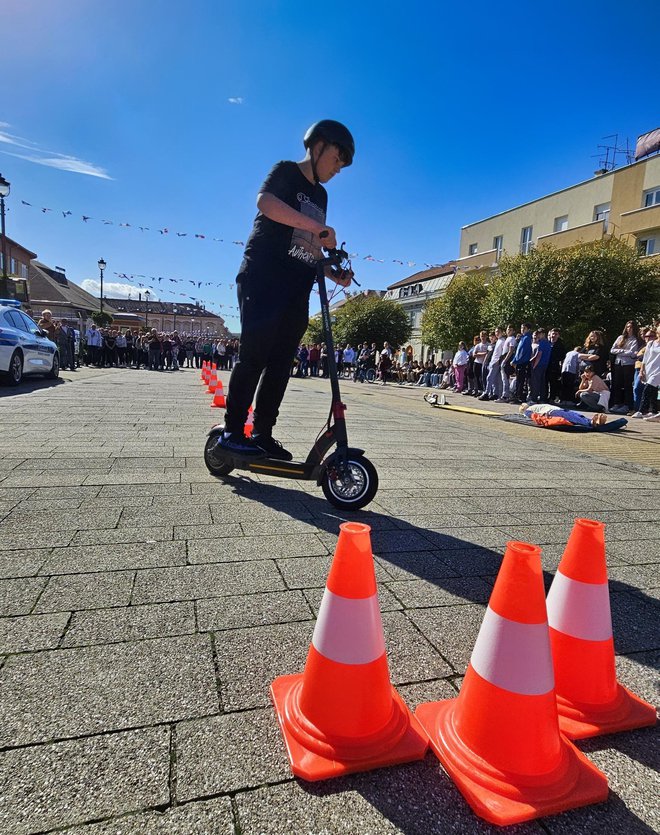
334, 133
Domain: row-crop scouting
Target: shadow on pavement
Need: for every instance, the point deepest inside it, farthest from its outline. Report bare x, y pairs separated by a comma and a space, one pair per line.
458, 567
28, 385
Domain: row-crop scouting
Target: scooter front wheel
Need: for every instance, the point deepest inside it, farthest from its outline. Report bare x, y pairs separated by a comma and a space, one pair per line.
215, 466
352, 489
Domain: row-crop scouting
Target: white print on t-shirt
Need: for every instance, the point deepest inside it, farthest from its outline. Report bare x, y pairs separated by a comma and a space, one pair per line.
304, 246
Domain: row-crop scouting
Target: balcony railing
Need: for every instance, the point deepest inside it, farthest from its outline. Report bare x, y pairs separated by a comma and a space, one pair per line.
584, 233
641, 220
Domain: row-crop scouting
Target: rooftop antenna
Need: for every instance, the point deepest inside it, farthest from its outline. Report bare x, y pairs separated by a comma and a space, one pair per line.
608, 153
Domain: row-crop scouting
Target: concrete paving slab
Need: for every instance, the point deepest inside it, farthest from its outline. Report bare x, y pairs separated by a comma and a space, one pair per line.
238, 549
18, 596
207, 531
32, 632
416, 594
115, 536
243, 611
115, 556
130, 623
208, 817
452, 631
22, 563
48, 786
194, 582
65, 693
227, 753
249, 659
69, 592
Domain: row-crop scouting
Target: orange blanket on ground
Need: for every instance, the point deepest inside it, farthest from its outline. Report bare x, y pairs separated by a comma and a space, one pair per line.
549, 422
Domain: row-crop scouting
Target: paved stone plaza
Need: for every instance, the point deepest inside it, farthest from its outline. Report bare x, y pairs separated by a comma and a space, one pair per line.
147, 607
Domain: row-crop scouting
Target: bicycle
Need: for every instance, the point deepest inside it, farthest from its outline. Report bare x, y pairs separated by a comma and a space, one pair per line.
363, 373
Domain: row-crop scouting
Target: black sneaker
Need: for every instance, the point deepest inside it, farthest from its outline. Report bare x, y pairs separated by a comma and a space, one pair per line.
272, 448
238, 444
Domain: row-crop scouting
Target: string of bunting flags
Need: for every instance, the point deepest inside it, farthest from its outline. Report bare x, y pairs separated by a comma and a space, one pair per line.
133, 279
165, 230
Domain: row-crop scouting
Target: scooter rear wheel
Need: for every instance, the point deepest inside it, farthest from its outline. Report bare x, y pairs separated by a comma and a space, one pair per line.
356, 489
214, 466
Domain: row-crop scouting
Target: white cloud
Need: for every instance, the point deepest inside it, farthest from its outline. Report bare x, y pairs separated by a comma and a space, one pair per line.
62, 161
116, 289
235, 100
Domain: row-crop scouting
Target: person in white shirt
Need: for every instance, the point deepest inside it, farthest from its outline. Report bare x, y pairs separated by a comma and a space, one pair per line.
493, 388
94, 342
460, 363
508, 352
650, 376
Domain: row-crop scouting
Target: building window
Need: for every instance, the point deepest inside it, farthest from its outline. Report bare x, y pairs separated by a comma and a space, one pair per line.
526, 239
652, 197
561, 223
602, 212
473, 249
498, 240
647, 246
24, 271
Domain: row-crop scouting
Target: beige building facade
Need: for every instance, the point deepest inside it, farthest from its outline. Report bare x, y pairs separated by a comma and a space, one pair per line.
624, 202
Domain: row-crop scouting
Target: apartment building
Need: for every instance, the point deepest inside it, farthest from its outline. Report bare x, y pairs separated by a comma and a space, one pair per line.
624, 202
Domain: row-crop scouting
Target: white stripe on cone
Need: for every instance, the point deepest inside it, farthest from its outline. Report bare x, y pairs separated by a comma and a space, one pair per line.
581, 610
349, 630
514, 656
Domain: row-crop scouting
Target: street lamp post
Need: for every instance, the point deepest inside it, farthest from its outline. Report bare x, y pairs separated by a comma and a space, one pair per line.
175, 310
192, 327
146, 309
5, 188
102, 266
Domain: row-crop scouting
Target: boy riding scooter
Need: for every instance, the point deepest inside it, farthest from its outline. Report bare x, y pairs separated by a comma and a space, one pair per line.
275, 281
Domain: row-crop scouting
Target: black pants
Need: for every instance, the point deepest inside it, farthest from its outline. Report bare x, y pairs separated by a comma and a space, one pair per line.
649, 401
271, 329
622, 385
522, 381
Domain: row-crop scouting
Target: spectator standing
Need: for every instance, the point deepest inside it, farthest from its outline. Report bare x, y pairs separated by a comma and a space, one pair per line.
521, 362
553, 371
493, 387
154, 348
638, 385
459, 363
189, 346
623, 356
506, 369
314, 356
570, 368
46, 324
593, 353
94, 342
539, 367
349, 357
650, 376
121, 349
110, 348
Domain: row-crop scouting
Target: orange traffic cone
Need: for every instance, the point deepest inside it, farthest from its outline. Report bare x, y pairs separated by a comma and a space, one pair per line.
219, 401
213, 381
249, 424
499, 739
205, 372
590, 701
342, 714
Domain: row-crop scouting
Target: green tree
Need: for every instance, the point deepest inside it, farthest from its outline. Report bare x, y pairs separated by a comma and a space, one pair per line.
595, 285
101, 319
365, 319
456, 315
314, 333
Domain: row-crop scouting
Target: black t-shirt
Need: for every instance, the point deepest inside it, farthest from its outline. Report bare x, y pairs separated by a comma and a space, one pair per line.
276, 252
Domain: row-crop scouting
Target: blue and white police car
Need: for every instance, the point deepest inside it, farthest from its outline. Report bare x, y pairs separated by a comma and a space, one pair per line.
24, 347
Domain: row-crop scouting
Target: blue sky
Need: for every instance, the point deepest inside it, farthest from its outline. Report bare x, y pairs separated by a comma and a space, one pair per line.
459, 111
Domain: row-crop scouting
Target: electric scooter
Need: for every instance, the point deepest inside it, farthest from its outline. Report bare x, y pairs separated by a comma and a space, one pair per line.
348, 479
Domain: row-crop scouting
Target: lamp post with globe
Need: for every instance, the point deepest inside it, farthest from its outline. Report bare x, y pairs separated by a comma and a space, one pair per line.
5, 188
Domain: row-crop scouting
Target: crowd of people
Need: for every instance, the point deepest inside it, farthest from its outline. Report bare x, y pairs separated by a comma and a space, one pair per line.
520, 366
114, 347
535, 366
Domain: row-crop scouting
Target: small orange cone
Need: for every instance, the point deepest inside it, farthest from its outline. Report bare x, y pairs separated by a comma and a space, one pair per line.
590, 700
499, 739
249, 424
205, 372
213, 381
342, 715
219, 401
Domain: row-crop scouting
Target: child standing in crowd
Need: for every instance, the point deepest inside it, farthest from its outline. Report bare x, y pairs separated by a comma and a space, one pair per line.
460, 361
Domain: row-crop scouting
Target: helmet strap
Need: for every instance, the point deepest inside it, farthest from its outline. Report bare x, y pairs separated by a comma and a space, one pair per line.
314, 161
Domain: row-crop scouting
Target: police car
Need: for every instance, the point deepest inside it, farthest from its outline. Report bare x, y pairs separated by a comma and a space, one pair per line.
24, 347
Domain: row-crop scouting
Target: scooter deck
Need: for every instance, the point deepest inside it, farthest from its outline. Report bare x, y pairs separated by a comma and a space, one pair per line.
271, 466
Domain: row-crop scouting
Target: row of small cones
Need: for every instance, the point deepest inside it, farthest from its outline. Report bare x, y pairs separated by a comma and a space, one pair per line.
541, 673
214, 386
